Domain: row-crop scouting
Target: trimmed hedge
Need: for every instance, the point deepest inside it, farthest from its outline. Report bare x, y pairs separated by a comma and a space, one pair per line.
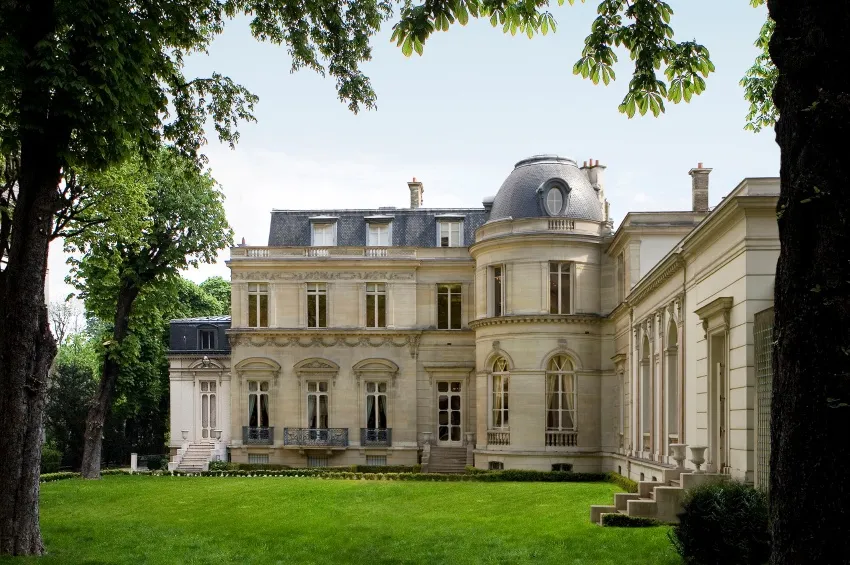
723, 524
50, 477
624, 483
51, 459
623, 521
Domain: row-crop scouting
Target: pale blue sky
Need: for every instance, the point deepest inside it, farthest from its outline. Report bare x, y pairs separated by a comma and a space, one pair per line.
460, 116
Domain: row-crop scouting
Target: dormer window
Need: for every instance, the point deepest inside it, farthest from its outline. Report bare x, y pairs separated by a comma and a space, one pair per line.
554, 200
379, 234
323, 231
206, 339
450, 233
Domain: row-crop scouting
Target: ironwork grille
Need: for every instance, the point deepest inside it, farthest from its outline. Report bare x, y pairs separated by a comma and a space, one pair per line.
257, 459
317, 461
376, 460
763, 337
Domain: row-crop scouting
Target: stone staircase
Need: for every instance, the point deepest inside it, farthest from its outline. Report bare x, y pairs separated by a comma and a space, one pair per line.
447, 460
660, 501
196, 458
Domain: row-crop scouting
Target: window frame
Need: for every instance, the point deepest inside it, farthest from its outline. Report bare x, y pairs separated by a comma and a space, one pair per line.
561, 393
450, 293
500, 370
378, 383
376, 290
213, 342
561, 273
317, 290
448, 225
370, 225
494, 308
259, 393
259, 290
318, 393
322, 226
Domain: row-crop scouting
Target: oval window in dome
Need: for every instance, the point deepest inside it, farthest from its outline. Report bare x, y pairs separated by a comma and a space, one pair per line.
554, 200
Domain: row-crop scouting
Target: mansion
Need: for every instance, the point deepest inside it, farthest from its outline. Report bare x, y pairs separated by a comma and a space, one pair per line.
526, 333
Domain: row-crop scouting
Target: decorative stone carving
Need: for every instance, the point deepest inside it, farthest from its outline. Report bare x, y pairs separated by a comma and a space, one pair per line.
346, 340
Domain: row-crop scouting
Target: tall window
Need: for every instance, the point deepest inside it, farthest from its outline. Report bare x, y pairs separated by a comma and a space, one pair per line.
324, 235
258, 305
317, 404
206, 339
497, 288
448, 306
451, 234
501, 379
559, 288
208, 410
376, 405
317, 305
379, 235
376, 305
258, 404
560, 394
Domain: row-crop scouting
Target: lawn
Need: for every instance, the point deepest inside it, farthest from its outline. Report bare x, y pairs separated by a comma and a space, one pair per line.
189, 520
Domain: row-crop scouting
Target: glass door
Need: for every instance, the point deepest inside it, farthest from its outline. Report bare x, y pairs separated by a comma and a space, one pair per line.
449, 412
208, 410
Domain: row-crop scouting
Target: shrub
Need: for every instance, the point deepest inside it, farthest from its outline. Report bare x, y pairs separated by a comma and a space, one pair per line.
218, 465
723, 524
623, 521
624, 483
154, 462
470, 470
50, 460
50, 477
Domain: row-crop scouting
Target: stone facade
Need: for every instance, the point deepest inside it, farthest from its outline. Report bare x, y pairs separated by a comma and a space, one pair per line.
526, 331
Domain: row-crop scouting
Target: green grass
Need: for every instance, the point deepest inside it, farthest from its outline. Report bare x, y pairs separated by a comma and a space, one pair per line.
183, 520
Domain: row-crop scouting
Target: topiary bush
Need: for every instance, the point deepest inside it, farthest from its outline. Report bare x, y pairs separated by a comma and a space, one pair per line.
51, 459
723, 524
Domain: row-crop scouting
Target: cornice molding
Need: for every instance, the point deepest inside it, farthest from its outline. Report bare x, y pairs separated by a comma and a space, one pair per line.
328, 339
537, 319
655, 279
285, 275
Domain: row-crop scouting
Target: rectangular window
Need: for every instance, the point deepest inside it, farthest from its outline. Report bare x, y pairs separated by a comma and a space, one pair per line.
206, 339
559, 288
450, 234
500, 400
376, 305
258, 459
379, 235
621, 278
495, 465
376, 460
313, 461
258, 404
324, 235
560, 401
376, 405
317, 305
497, 288
258, 305
448, 306
317, 405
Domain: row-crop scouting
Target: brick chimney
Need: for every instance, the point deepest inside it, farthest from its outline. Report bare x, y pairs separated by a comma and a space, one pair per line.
699, 188
416, 191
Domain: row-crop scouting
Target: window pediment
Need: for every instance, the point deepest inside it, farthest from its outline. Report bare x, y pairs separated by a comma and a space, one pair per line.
315, 366
375, 368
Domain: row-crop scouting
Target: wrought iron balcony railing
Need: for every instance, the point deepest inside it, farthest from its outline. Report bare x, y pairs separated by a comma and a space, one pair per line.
316, 437
257, 436
382, 437
555, 438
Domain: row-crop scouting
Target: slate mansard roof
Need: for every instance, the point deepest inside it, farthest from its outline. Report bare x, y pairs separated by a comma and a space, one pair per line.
185, 334
411, 227
521, 194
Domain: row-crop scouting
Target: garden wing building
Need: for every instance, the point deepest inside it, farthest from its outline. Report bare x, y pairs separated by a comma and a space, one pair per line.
523, 334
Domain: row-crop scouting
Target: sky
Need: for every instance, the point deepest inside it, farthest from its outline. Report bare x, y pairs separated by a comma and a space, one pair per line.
460, 116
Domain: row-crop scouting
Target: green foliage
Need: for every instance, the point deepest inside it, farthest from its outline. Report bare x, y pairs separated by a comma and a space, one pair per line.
219, 289
68, 395
154, 462
723, 524
642, 27
623, 521
759, 82
50, 477
51, 459
624, 483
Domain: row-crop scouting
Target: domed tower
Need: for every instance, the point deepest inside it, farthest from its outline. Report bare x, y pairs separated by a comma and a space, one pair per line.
538, 322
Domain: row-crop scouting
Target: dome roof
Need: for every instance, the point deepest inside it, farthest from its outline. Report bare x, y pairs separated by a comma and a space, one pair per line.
526, 191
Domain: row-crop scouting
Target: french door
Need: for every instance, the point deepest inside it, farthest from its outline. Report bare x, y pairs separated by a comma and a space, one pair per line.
449, 412
209, 413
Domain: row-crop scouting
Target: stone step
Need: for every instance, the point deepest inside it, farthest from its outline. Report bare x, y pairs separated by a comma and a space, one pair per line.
622, 498
597, 510
642, 508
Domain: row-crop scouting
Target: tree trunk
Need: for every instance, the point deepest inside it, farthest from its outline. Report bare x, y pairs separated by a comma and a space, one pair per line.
27, 349
809, 490
109, 378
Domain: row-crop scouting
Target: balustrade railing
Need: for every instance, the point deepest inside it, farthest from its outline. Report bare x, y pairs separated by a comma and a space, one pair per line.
331, 251
257, 436
318, 437
561, 438
376, 436
498, 437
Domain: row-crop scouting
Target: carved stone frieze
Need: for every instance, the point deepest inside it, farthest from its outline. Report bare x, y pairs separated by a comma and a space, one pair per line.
411, 341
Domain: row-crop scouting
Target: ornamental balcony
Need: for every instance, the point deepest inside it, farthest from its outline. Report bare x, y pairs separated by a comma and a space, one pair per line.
376, 437
498, 437
257, 436
315, 437
561, 438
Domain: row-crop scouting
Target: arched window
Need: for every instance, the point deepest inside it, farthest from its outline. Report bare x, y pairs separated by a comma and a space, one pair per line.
560, 394
500, 385
554, 200
672, 358
645, 396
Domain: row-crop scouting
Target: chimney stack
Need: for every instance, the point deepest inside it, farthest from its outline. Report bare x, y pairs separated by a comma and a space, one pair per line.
699, 187
416, 191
